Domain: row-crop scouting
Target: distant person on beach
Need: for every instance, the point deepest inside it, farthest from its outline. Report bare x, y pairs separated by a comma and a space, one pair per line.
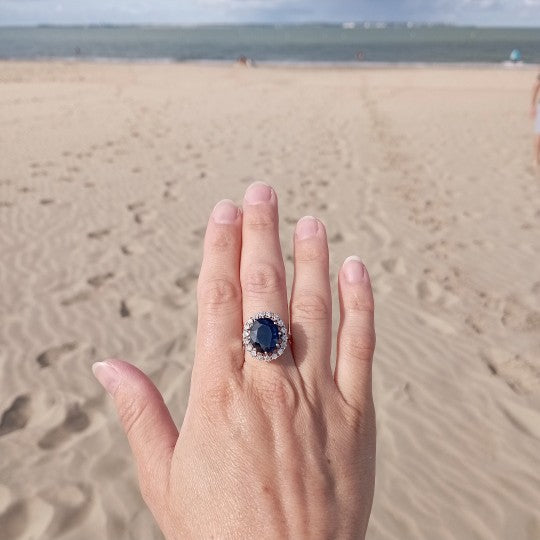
515, 56
274, 442
535, 114
245, 61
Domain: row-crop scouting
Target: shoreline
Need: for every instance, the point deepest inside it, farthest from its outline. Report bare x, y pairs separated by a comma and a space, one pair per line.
277, 64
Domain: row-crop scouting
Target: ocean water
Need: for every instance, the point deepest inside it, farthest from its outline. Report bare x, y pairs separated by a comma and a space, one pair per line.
263, 43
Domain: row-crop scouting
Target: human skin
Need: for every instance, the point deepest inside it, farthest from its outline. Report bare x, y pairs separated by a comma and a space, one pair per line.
266, 450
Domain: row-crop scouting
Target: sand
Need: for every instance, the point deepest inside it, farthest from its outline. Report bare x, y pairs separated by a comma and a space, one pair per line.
107, 175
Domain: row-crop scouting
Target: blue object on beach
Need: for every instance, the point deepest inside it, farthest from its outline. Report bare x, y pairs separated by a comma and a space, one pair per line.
515, 55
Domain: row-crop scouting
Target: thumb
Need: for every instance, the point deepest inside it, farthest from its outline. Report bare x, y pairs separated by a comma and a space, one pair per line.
146, 420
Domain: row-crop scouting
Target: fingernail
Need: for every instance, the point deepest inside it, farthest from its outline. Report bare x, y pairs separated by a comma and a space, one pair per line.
107, 376
354, 269
307, 227
225, 212
259, 192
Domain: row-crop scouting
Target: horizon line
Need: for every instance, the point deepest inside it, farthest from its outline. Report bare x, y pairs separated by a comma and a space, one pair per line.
359, 24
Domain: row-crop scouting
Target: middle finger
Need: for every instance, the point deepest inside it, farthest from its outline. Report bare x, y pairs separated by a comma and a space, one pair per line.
262, 272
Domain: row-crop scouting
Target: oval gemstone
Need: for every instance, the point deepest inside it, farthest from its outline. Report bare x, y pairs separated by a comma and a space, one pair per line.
264, 335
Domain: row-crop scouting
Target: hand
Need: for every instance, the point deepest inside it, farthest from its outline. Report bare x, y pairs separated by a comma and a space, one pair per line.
267, 450
533, 111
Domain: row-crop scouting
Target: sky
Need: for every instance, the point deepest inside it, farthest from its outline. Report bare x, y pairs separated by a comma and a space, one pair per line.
477, 12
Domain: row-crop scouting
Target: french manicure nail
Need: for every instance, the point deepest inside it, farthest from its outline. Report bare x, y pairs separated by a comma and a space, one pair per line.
354, 269
225, 212
307, 227
259, 192
107, 376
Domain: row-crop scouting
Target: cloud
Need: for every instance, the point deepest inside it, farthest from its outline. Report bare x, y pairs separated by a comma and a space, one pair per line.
500, 12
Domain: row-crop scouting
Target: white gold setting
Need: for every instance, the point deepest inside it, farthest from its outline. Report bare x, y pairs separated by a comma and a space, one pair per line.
282, 341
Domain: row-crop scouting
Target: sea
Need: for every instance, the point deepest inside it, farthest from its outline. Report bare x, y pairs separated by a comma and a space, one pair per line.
349, 43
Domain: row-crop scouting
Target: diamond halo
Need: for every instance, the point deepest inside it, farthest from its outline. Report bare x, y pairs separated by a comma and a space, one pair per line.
253, 348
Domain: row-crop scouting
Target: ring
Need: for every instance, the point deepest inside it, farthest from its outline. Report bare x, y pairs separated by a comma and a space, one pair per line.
265, 336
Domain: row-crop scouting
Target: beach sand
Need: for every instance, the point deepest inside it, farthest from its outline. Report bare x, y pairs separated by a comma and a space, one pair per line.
107, 175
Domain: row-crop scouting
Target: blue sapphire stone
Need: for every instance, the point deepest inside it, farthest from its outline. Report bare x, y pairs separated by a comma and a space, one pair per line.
264, 335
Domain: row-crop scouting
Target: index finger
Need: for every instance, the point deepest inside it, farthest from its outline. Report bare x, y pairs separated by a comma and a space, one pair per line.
219, 294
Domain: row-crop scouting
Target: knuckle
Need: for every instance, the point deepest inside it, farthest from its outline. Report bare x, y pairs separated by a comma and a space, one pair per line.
359, 343
263, 278
260, 217
131, 411
360, 303
308, 252
220, 396
311, 307
276, 393
218, 293
222, 240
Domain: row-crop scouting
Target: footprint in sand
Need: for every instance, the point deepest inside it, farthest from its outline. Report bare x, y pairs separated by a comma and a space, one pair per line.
13, 520
428, 291
15, 417
519, 372
336, 238
124, 310
473, 325
135, 307
394, 266
52, 355
98, 235
72, 504
290, 220
82, 296
198, 235
100, 280
144, 217
433, 292
132, 249
46, 202
186, 282
520, 318
76, 421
